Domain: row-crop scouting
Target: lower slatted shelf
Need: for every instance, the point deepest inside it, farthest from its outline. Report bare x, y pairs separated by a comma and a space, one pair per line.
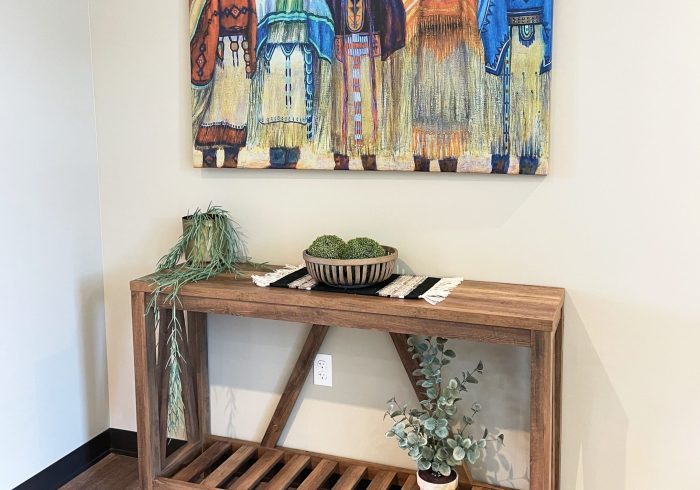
233, 464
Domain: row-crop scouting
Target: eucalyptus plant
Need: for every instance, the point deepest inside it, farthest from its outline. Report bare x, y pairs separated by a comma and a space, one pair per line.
209, 245
429, 433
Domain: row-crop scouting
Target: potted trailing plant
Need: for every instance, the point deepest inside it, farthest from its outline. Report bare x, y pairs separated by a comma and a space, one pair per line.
429, 433
210, 244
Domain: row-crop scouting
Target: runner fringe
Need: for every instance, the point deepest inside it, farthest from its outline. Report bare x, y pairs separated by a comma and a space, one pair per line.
270, 277
438, 293
441, 290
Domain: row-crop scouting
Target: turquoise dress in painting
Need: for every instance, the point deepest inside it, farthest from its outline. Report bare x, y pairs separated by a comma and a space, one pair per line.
292, 86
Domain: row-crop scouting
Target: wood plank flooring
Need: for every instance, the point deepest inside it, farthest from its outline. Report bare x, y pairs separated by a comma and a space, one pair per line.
114, 472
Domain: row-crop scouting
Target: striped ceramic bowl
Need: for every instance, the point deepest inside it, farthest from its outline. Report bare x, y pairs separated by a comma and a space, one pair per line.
352, 273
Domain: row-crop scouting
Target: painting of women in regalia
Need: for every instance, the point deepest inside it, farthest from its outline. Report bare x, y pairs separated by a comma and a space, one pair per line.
403, 85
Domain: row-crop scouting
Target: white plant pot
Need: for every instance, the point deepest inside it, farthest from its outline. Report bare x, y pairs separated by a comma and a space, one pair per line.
426, 485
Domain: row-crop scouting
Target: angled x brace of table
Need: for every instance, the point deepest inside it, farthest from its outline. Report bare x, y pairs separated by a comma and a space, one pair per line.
528, 316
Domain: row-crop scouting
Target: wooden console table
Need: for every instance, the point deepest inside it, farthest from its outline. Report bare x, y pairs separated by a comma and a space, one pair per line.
529, 316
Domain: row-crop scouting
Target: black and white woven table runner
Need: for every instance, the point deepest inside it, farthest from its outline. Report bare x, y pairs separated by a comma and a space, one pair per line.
431, 289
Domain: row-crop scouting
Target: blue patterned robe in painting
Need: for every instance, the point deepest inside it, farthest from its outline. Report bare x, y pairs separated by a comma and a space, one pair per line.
517, 39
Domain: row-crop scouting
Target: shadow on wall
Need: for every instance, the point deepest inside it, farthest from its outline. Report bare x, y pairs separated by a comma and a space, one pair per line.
591, 411
256, 357
251, 359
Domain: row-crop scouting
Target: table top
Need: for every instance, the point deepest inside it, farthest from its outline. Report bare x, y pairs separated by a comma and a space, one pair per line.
473, 302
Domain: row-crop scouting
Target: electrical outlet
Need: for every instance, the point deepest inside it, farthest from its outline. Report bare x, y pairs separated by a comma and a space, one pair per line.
323, 370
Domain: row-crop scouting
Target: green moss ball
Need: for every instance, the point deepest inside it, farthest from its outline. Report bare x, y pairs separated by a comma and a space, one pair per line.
363, 248
327, 247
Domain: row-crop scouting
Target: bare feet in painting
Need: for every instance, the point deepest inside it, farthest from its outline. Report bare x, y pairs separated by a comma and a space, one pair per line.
422, 164
448, 165
342, 162
209, 158
369, 162
231, 156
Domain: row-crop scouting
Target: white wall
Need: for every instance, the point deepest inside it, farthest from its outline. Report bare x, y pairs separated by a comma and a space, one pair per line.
616, 223
53, 352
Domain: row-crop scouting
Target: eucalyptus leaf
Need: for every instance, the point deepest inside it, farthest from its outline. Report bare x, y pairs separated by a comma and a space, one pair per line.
458, 453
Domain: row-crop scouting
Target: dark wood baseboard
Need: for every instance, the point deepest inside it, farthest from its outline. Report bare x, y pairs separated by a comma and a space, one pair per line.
123, 442
71, 465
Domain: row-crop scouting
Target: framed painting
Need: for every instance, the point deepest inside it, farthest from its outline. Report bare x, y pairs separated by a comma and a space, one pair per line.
412, 85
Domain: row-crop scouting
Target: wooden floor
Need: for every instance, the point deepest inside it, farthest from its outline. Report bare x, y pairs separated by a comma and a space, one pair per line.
115, 472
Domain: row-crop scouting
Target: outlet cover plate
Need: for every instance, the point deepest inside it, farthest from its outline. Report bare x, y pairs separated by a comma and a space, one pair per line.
323, 370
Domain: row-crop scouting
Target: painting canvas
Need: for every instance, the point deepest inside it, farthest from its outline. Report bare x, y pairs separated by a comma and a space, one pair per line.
412, 85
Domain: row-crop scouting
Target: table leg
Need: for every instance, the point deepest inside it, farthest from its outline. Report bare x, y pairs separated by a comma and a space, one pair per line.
148, 430
556, 450
199, 353
541, 410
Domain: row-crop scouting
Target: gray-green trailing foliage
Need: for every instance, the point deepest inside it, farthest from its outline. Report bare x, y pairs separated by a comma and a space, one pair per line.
327, 247
210, 245
429, 433
363, 248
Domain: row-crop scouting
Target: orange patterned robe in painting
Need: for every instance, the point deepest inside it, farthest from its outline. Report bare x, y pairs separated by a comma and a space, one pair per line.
223, 56
447, 95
